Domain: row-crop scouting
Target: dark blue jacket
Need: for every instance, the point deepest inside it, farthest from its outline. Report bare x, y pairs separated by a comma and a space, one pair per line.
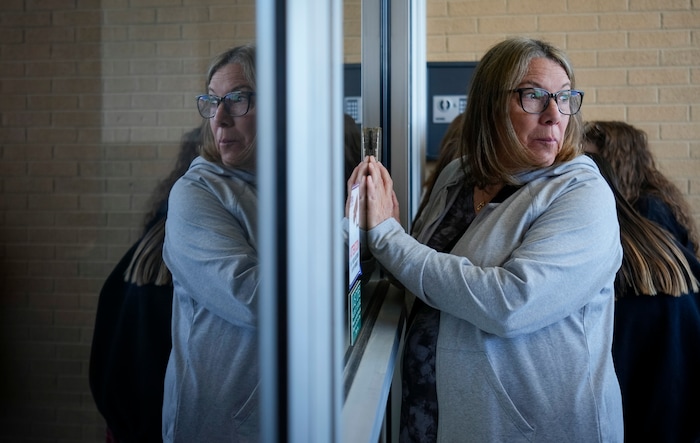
656, 350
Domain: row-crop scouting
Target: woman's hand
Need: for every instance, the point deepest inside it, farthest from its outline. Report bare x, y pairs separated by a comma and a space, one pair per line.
378, 201
382, 203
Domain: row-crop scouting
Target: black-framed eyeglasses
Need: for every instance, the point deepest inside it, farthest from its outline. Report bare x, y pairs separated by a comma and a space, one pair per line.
236, 103
536, 100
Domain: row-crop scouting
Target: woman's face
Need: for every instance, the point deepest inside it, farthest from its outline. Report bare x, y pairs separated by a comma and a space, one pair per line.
542, 134
234, 136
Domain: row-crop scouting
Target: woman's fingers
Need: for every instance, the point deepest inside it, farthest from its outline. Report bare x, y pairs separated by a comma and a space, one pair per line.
381, 200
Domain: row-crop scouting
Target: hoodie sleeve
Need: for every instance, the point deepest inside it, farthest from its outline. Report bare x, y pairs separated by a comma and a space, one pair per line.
523, 264
210, 246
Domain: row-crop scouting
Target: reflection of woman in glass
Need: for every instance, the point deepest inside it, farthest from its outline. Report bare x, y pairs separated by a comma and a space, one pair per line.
211, 249
516, 251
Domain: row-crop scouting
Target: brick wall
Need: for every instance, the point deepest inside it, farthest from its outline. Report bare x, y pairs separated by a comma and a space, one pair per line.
96, 94
95, 97
637, 60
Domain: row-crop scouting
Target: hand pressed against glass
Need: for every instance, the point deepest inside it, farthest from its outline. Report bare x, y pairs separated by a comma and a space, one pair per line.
542, 134
235, 137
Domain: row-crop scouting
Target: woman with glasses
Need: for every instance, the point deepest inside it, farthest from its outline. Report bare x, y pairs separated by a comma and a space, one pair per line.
517, 250
210, 248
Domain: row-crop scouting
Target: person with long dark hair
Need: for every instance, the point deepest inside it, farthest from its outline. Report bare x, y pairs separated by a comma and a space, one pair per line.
131, 340
657, 310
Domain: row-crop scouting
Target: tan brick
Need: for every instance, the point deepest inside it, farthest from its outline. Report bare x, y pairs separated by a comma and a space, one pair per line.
626, 58
681, 57
127, 50
11, 202
507, 24
599, 40
695, 75
80, 51
680, 168
73, 318
129, 118
681, 131
155, 32
76, 152
669, 113
50, 35
476, 43
526, 7
670, 149
77, 119
626, 21
210, 31
679, 94
452, 26
233, 14
188, 14
15, 235
600, 77
603, 112
52, 202
626, 95
28, 184
583, 59
658, 5
681, 19
13, 135
51, 69
148, 134
76, 85
659, 39
78, 18
597, 6
107, 169
127, 85
27, 151
82, 218
567, 23
31, 86
11, 35
78, 185
476, 8
434, 9
53, 235
658, 76
129, 16
25, 119
25, 19
652, 130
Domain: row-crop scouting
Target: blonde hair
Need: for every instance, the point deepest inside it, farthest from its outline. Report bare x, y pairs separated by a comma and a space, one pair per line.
652, 262
488, 136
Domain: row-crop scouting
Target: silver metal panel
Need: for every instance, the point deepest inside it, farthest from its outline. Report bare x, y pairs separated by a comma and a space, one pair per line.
301, 212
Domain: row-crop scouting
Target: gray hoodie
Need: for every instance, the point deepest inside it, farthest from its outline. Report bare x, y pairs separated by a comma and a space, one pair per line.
211, 249
526, 300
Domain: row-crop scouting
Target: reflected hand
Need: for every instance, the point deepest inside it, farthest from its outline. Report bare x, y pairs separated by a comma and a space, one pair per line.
358, 177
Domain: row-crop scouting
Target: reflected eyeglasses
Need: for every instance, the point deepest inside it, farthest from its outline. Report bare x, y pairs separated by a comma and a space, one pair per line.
236, 103
536, 100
